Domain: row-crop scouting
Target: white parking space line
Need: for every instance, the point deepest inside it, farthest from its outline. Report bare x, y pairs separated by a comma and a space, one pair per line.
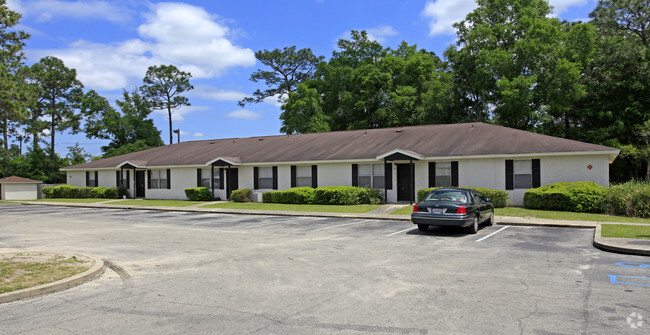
482, 238
264, 224
401, 231
341, 225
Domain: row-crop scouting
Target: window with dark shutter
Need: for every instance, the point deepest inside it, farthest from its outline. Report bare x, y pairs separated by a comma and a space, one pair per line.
510, 185
149, 179
293, 175
454, 174
536, 173
275, 177
432, 174
314, 176
169, 179
388, 176
198, 177
222, 183
355, 175
256, 177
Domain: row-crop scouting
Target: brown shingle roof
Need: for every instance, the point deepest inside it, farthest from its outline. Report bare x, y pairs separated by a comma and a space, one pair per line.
467, 139
14, 179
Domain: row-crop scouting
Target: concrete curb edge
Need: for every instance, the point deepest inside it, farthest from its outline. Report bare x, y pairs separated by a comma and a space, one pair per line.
59, 285
602, 244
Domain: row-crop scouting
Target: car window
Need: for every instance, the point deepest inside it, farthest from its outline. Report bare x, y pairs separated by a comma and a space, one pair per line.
448, 195
478, 197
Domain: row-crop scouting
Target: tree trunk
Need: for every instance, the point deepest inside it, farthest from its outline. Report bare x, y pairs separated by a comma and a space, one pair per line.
5, 127
171, 137
52, 155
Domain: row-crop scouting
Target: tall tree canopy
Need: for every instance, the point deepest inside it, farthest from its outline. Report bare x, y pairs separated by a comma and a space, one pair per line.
288, 69
130, 126
13, 91
58, 97
163, 86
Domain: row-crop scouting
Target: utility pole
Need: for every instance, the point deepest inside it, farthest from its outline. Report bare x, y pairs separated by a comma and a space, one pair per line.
178, 133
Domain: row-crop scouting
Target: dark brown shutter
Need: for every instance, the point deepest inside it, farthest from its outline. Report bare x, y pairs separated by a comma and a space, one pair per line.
510, 176
432, 174
355, 175
222, 184
388, 176
275, 177
118, 180
198, 178
454, 174
149, 179
96, 179
293, 176
256, 176
87, 178
128, 179
169, 179
536, 173
314, 176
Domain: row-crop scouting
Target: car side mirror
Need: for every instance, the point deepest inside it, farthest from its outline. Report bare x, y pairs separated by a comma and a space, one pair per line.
488, 199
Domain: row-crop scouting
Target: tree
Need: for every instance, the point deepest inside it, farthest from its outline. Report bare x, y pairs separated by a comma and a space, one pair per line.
162, 88
12, 85
59, 94
288, 69
303, 112
513, 62
77, 155
130, 126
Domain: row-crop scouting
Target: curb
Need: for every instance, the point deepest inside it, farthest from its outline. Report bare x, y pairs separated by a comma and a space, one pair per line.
59, 285
615, 245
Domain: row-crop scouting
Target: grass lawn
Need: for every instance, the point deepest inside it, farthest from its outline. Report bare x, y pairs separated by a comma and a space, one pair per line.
146, 202
523, 212
23, 270
625, 231
292, 207
82, 201
407, 210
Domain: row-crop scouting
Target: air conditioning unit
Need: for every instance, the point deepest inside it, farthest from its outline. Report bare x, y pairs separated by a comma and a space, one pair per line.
257, 197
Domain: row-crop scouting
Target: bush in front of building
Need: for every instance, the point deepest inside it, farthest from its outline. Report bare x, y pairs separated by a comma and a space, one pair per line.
198, 194
581, 196
74, 192
345, 195
498, 198
296, 195
630, 199
243, 195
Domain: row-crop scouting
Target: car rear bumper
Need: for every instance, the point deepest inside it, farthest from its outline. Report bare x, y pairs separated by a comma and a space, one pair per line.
442, 220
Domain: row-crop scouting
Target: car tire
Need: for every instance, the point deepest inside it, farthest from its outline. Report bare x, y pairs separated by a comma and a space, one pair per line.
423, 227
473, 229
490, 221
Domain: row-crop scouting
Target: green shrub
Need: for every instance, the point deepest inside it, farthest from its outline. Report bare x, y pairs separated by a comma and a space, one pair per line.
629, 199
243, 195
296, 195
108, 192
581, 196
47, 192
498, 198
198, 194
345, 195
74, 192
65, 191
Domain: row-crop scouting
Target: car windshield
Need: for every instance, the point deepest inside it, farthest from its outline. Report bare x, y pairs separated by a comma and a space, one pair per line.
448, 195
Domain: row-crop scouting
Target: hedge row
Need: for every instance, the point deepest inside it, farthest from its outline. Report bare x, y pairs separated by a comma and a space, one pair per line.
242, 195
498, 198
582, 196
198, 194
74, 192
326, 195
629, 199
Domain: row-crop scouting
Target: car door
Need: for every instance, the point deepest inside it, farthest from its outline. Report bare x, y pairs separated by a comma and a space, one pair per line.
482, 206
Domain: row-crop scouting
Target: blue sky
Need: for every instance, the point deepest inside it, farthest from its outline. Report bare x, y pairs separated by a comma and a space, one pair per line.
111, 44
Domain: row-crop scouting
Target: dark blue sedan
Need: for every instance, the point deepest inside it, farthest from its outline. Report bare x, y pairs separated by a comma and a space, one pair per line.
461, 207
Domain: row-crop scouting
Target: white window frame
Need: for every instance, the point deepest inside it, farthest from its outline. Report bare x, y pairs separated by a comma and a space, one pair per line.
92, 182
205, 178
522, 174
303, 176
375, 173
158, 179
265, 178
217, 179
440, 168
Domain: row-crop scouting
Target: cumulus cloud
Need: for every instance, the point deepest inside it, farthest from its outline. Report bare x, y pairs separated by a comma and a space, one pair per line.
173, 33
562, 5
212, 93
244, 114
45, 10
380, 33
184, 133
179, 114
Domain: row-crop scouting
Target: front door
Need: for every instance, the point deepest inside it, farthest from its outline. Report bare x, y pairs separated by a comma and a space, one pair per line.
233, 180
139, 184
404, 182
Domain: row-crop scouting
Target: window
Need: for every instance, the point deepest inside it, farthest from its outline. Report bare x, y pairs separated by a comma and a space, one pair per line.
158, 179
125, 179
217, 178
443, 174
303, 176
523, 173
91, 179
265, 178
371, 175
205, 178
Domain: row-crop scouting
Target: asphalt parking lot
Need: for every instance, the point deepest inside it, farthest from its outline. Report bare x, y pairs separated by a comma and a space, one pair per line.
175, 272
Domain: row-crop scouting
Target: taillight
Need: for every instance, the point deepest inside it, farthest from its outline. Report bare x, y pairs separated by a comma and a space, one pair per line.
461, 210
415, 208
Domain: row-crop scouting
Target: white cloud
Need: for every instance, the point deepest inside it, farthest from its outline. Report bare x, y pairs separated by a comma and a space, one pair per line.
212, 93
562, 5
179, 114
380, 33
184, 133
444, 13
179, 34
244, 114
45, 10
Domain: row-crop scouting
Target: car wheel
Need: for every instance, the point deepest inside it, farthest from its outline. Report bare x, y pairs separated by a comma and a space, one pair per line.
423, 227
473, 229
490, 221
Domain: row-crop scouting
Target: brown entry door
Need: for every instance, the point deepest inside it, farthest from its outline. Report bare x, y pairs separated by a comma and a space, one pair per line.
404, 189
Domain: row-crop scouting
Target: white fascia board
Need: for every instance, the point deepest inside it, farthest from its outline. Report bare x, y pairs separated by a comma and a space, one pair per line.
610, 153
223, 159
403, 152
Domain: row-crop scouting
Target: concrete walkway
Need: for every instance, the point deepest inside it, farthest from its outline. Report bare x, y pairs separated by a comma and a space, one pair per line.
621, 245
